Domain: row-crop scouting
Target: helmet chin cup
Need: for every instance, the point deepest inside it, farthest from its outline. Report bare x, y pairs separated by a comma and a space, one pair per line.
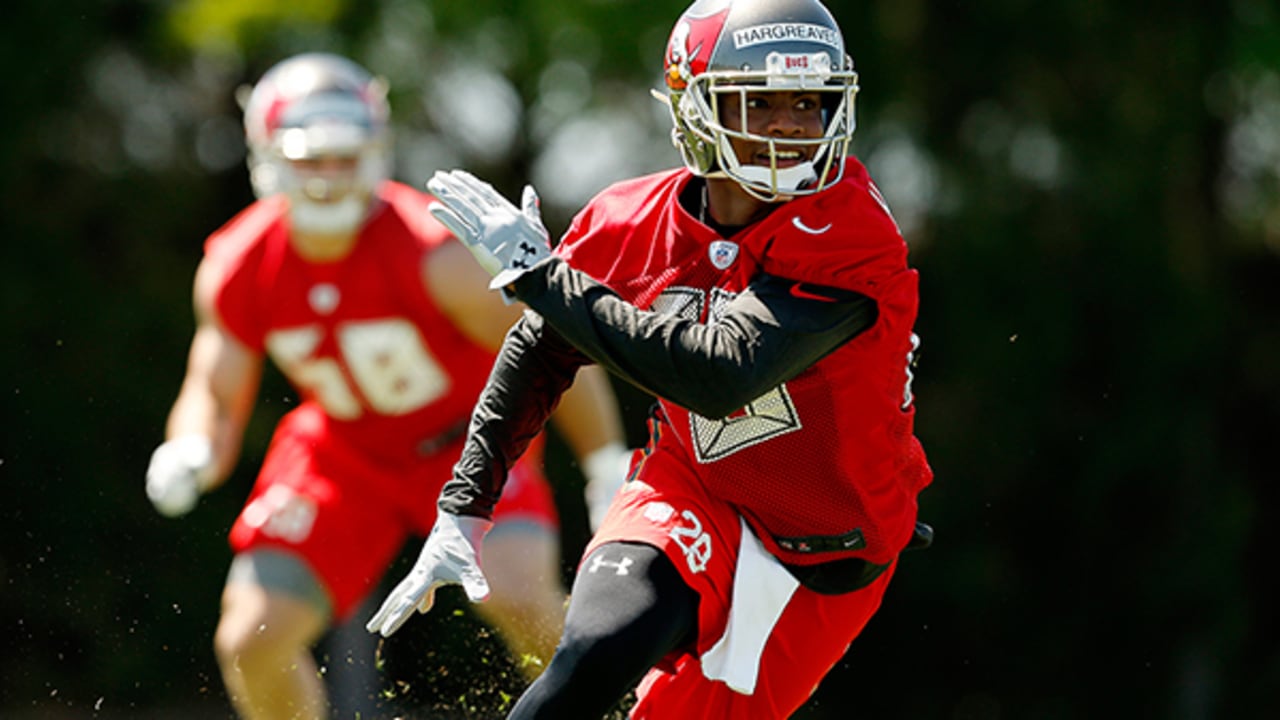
330, 218
770, 183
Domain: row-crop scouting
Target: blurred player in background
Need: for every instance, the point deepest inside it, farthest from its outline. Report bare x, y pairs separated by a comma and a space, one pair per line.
381, 321
762, 293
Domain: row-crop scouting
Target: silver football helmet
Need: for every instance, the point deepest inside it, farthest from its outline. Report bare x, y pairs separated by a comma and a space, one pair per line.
751, 46
313, 107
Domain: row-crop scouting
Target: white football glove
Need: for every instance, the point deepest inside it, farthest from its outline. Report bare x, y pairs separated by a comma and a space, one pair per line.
180, 470
504, 239
605, 471
451, 556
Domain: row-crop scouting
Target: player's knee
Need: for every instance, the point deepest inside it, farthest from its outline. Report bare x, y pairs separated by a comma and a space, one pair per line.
236, 644
584, 661
250, 641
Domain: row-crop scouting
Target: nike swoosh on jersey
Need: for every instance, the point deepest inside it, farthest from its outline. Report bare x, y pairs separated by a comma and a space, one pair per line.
798, 291
812, 231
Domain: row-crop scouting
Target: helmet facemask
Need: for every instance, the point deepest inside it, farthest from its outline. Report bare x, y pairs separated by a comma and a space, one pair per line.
705, 139
330, 170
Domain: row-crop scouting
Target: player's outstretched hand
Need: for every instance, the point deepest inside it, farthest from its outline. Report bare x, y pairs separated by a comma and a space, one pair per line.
451, 556
180, 470
504, 239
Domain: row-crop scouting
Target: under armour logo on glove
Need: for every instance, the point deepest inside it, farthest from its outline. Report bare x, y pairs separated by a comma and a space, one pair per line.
506, 240
528, 258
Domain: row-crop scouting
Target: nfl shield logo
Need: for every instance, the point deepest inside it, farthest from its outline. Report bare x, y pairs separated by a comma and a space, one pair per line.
722, 253
324, 298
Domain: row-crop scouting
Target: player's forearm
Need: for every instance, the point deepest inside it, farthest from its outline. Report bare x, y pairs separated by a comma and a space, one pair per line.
531, 372
762, 338
217, 397
198, 412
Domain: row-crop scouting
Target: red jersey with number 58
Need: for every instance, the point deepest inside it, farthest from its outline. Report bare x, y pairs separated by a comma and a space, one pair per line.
831, 452
358, 337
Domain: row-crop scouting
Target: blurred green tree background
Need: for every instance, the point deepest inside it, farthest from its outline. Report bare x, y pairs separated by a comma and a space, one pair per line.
1091, 192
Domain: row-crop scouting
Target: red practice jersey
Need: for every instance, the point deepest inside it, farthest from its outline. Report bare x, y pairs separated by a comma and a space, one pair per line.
358, 337
831, 452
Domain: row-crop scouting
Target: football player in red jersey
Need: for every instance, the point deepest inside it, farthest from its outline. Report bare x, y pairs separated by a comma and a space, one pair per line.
381, 321
762, 294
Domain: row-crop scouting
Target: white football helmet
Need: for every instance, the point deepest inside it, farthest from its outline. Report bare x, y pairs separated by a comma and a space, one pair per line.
750, 46
313, 107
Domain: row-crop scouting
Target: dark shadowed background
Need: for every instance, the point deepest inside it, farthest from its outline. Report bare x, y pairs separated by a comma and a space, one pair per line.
1091, 192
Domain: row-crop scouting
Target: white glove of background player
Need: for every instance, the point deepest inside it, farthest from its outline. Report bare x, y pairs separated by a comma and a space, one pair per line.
451, 556
605, 470
504, 239
180, 470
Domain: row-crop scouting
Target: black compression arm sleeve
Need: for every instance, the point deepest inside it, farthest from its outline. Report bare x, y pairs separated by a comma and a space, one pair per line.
768, 334
534, 367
